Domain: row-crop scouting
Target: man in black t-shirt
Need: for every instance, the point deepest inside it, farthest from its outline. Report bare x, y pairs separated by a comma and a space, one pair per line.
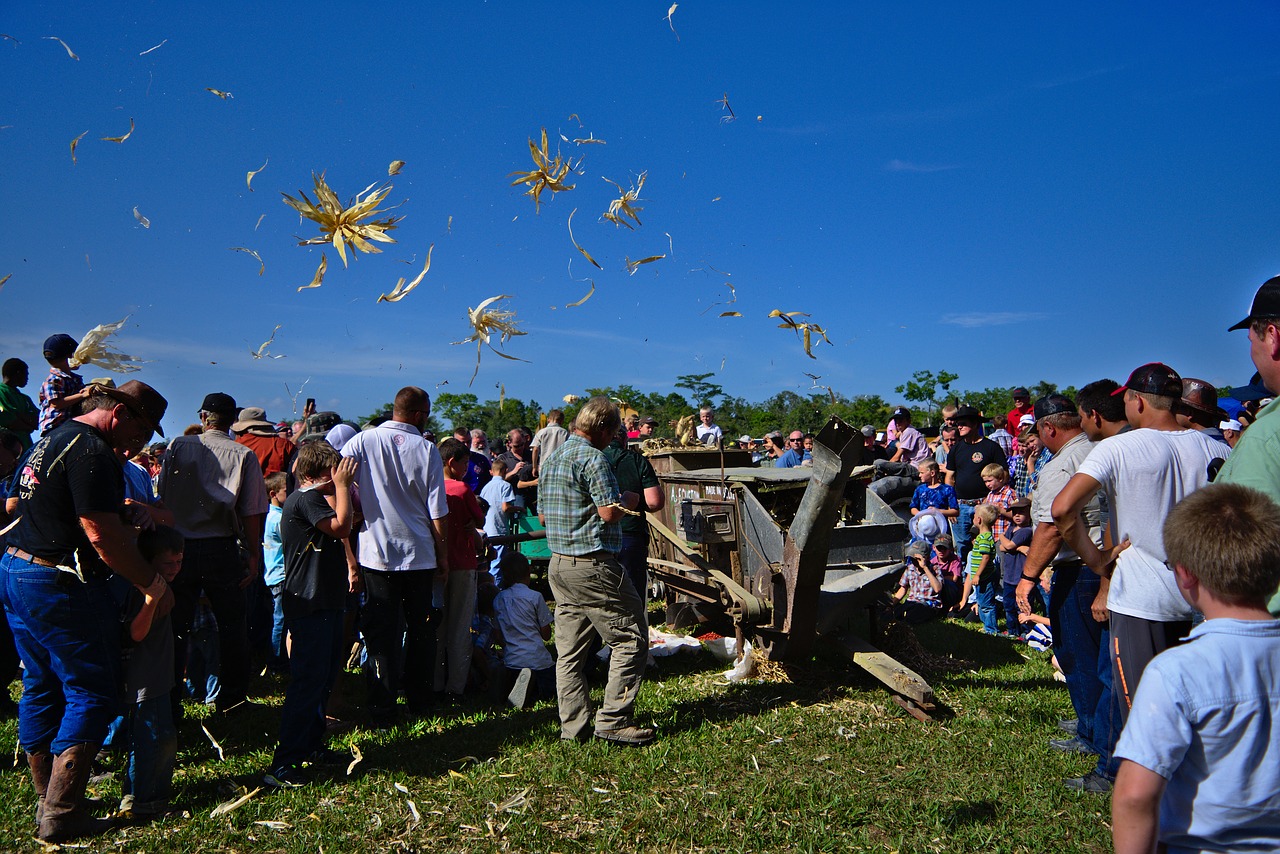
964, 472
68, 541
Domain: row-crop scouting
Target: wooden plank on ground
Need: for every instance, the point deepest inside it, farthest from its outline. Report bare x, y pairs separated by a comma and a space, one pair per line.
899, 679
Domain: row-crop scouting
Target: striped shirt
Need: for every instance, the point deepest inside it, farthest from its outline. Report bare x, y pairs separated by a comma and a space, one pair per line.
572, 483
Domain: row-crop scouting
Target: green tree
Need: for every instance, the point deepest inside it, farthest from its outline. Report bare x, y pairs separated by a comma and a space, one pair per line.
928, 388
702, 392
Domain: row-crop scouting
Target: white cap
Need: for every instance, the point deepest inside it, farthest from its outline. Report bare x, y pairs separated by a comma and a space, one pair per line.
1231, 424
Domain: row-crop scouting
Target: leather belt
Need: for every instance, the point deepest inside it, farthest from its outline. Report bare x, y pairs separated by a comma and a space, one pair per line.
589, 557
970, 502
30, 558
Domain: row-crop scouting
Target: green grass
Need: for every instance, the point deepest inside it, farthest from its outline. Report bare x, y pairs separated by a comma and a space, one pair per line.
824, 763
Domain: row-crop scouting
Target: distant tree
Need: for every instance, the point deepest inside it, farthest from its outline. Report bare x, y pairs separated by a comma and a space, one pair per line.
465, 410
928, 388
702, 392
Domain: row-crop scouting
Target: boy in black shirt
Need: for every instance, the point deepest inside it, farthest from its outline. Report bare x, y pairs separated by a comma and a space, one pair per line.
314, 522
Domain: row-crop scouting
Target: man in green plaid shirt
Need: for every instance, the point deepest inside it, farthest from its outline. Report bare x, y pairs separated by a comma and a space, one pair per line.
579, 503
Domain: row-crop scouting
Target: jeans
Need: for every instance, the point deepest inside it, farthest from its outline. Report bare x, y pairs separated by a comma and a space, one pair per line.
594, 595
213, 565
1080, 644
203, 662
986, 591
68, 636
152, 741
279, 657
960, 532
399, 626
313, 667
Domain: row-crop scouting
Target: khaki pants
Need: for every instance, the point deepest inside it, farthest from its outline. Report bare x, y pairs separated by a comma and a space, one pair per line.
594, 592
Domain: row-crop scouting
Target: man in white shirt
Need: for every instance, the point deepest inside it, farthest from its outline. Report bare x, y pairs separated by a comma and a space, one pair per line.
402, 546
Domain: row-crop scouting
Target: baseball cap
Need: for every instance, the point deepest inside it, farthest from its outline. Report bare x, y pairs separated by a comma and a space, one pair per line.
1027, 420
649, 419
1021, 503
901, 412
1266, 303
868, 432
917, 548
745, 437
1153, 378
1231, 424
59, 346
1053, 404
1020, 392
219, 402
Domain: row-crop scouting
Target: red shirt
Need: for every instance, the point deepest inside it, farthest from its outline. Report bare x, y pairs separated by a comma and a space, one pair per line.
465, 516
273, 452
1014, 416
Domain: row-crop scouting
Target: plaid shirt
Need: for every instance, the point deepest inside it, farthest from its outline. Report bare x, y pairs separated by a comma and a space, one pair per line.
572, 483
1025, 482
57, 384
918, 587
1002, 498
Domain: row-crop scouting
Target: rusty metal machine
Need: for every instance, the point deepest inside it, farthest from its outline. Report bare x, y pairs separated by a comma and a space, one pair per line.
782, 557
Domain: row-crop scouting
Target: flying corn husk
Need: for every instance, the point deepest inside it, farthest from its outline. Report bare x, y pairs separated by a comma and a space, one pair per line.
10, 38
724, 102
352, 223
570, 399
74, 143
157, 47
549, 174
484, 323
223, 95
576, 245
671, 24
804, 329
590, 293
623, 207
6, 278
395, 167
94, 350
248, 178
259, 222
401, 289
120, 138
811, 329
246, 250
590, 140
262, 351
71, 53
235, 804
502, 396
142, 220
449, 225
731, 314
319, 276
632, 266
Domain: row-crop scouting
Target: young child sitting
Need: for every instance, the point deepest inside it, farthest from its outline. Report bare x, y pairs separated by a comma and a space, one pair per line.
273, 567
919, 592
315, 520
1197, 755
946, 565
525, 623
981, 574
932, 492
1014, 547
148, 731
63, 390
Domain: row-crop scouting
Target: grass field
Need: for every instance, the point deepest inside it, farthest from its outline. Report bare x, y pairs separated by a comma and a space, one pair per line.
823, 761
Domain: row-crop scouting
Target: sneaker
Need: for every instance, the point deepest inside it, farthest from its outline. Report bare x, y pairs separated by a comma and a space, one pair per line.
1070, 745
1091, 782
519, 695
634, 736
1069, 727
285, 777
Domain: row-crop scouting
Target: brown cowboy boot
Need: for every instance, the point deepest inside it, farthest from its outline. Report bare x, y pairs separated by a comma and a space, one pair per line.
41, 765
65, 815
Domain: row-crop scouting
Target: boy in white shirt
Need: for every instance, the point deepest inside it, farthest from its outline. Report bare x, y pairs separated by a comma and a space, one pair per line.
525, 623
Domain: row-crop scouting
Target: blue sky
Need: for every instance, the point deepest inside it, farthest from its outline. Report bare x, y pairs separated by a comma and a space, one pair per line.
1013, 192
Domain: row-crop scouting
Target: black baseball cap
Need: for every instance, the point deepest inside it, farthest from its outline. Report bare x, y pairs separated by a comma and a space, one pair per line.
219, 402
1054, 404
1266, 303
649, 419
60, 346
1020, 392
1153, 378
901, 412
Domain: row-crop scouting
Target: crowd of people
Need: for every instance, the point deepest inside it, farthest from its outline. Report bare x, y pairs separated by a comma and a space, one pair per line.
1135, 529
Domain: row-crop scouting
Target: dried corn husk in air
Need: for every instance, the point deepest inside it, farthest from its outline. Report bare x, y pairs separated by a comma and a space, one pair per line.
341, 224
624, 206
485, 323
401, 289
549, 174
804, 329
95, 350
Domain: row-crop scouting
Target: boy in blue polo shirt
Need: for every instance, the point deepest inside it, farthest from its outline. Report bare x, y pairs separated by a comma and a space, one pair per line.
1198, 759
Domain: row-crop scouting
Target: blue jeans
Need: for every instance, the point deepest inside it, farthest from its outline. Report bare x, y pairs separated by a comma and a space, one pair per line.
279, 655
1081, 645
152, 741
313, 667
67, 634
204, 662
960, 532
986, 591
